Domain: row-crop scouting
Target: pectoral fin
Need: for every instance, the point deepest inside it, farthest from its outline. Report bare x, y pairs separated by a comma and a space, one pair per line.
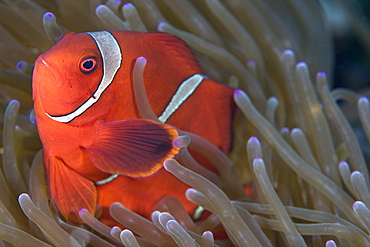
132, 147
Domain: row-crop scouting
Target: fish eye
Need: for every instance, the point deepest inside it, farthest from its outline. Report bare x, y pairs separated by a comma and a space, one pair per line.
88, 65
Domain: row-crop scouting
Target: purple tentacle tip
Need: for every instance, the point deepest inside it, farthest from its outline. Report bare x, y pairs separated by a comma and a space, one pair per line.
177, 143
321, 73
128, 5
160, 25
99, 8
32, 117
48, 16
238, 92
258, 160
21, 66
14, 101
251, 63
141, 60
301, 64
254, 139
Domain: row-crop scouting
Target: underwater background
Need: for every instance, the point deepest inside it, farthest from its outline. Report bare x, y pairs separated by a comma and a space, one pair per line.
300, 140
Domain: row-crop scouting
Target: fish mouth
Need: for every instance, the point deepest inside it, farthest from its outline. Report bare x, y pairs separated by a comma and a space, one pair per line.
45, 63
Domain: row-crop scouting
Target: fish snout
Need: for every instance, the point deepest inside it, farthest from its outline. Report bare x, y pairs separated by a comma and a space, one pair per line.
47, 73
47, 82
42, 70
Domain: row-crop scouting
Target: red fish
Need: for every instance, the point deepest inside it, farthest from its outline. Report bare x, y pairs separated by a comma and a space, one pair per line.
97, 148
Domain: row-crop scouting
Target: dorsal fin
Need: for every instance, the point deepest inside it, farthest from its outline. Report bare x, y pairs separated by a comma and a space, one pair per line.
176, 48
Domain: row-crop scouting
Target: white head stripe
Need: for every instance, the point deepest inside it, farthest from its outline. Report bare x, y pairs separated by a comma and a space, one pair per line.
111, 56
185, 90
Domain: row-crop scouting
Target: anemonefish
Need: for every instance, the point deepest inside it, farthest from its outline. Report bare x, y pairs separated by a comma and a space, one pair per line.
97, 148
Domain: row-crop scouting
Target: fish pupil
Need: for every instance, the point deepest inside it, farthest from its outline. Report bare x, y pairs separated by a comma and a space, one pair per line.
88, 65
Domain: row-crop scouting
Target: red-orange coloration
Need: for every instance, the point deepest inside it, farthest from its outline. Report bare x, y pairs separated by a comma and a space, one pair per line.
110, 137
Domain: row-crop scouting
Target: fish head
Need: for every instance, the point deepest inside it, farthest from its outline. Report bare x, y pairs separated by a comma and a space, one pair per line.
67, 76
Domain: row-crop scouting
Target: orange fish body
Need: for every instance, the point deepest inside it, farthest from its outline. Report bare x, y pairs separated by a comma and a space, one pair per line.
91, 129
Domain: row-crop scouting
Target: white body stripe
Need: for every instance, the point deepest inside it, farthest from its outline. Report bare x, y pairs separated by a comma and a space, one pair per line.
107, 180
112, 57
185, 90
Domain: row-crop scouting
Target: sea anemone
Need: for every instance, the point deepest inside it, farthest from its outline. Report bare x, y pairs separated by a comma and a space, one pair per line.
292, 142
